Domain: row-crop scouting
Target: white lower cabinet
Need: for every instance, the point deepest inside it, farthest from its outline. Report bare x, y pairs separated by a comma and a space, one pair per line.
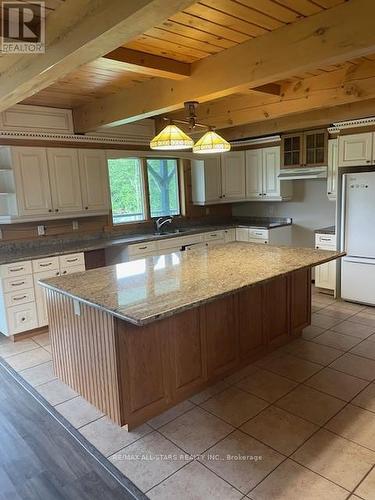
325, 274
22, 299
40, 299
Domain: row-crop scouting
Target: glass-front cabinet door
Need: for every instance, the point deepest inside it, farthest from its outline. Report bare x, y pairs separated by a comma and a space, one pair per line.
292, 150
315, 148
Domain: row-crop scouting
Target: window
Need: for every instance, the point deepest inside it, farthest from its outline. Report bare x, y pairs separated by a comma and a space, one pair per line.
127, 193
163, 187
128, 177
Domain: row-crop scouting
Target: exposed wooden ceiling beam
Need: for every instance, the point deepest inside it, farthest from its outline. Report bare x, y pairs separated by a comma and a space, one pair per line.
300, 121
332, 36
78, 32
269, 88
350, 84
149, 64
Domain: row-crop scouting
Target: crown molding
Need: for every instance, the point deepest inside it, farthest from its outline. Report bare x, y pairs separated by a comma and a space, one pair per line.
362, 122
79, 139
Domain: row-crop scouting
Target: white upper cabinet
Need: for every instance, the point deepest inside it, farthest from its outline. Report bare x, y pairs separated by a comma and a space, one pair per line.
32, 181
262, 176
94, 180
333, 145
233, 176
356, 149
271, 170
254, 174
65, 180
206, 180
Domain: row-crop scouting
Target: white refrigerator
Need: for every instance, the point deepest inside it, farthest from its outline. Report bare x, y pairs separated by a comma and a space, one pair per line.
358, 238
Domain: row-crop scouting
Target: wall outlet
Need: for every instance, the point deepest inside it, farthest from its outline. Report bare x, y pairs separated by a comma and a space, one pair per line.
75, 225
41, 230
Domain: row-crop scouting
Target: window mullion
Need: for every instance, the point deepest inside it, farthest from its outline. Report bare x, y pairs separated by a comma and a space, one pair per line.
146, 191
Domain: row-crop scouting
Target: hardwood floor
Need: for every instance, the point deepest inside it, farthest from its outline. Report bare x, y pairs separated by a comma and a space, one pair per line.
40, 459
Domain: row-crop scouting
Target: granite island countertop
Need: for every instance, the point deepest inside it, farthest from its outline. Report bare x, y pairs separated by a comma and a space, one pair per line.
37, 249
152, 288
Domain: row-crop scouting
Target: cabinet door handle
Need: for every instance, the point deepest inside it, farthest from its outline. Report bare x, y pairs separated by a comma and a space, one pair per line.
260, 194
72, 260
56, 209
47, 264
20, 298
50, 210
18, 284
16, 269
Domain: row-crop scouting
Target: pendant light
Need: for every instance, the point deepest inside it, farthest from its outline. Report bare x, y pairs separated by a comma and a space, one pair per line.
211, 142
171, 138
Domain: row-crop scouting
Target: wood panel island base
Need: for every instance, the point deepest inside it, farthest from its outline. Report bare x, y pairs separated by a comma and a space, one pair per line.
135, 368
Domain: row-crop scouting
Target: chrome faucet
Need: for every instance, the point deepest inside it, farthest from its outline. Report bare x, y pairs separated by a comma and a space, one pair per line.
159, 223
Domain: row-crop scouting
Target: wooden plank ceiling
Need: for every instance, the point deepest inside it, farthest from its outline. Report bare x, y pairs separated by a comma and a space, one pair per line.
203, 29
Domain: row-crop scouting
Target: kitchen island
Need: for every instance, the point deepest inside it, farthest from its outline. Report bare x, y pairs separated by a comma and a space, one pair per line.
137, 338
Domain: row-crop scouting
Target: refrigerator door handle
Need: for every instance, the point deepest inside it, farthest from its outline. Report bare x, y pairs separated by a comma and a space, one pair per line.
359, 260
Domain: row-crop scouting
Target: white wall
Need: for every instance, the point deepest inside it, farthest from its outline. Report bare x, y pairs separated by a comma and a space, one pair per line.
310, 210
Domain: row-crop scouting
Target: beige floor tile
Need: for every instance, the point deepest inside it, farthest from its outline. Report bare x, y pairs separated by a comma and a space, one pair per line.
339, 315
364, 318
149, 460
10, 348
310, 404
266, 385
39, 374
323, 298
264, 360
78, 411
337, 384
291, 481
240, 374
201, 397
310, 332
292, 367
279, 429
369, 310
109, 437
29, 359
43, 339
337, 459
341, 305
365, 349
317, 353
234, 406
196, 430
366, 489
356, 366
56, 392
48, 348
354, 329
317, 307
194, 482
355, 424
170, 414
241, 460
366, 398
318, 319
337, 340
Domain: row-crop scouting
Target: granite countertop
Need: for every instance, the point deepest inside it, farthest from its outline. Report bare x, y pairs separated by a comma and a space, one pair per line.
37, 249
152, 288
326, 230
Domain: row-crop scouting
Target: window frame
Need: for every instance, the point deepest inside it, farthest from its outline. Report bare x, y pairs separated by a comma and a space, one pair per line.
117, 155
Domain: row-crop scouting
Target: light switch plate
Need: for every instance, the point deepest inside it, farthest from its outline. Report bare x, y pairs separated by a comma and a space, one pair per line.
41, 230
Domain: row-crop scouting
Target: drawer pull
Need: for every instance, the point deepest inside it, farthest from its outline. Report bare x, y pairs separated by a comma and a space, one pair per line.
142, 248
46, 264
18, 284
64, 272
16, 269
23, 319
20, 298
72, 260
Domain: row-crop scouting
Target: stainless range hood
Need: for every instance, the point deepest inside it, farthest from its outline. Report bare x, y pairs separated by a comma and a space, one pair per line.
290, 174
